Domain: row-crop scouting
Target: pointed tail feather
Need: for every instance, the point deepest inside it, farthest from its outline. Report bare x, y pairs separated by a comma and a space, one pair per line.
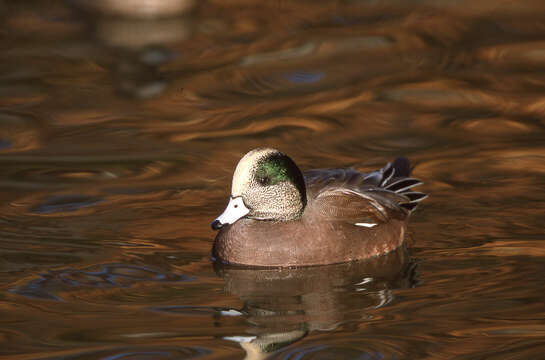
396, 179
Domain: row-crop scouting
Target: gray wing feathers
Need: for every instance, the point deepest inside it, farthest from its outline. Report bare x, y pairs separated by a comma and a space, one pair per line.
389, 187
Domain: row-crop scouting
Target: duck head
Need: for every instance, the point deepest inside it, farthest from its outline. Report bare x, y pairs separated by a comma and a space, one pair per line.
267, 185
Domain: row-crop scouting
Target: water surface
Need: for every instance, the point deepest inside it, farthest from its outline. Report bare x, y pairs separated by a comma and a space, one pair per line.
119, 132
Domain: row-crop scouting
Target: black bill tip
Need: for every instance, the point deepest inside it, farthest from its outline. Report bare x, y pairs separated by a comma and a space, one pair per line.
216, 225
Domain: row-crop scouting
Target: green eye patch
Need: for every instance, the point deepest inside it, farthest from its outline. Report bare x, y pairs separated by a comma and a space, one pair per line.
272, 170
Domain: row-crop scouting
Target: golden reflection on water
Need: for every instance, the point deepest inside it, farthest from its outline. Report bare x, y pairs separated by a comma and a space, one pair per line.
120, 127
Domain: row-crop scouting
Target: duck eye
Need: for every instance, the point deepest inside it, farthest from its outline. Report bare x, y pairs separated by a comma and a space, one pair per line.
264, 180
236, 205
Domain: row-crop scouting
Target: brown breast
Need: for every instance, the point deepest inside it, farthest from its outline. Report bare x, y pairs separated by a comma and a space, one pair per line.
306, 241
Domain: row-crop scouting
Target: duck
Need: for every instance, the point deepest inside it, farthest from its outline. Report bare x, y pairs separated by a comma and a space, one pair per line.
278, 216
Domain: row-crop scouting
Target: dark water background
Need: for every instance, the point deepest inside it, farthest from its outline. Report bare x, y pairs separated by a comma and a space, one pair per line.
119, 133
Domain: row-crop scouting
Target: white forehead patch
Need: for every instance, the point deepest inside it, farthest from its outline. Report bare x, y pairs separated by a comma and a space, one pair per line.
245, 167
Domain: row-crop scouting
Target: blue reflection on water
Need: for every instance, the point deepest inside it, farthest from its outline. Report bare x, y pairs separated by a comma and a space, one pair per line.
305, 77
64, 203
5, 144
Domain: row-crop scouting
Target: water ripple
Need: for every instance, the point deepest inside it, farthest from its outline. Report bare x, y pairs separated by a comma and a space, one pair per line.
59, 172
261, 127
337, 346
19, 132
138, 353
48, 285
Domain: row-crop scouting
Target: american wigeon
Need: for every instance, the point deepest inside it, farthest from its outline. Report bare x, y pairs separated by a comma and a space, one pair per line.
278, 216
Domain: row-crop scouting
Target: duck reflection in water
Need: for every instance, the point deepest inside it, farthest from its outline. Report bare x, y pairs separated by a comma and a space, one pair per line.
283, 305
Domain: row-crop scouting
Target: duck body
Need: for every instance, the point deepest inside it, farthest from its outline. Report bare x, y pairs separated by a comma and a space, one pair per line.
346, 215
